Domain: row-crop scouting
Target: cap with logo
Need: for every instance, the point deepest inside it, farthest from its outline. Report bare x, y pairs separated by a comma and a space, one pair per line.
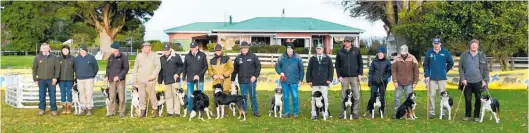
245, 44
436, 41
193, 45
166, 47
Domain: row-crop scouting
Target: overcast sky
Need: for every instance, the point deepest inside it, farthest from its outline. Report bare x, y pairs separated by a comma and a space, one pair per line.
173, 13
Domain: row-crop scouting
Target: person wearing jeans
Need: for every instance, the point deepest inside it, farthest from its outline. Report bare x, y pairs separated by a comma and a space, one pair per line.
86, 69
195, 66
291, 70
319, 76
246, 68
474, 74
66, 78
45, 71
405, 73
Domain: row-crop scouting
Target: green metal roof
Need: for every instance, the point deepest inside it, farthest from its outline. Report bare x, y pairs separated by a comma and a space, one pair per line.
266, 24
286, 24
197, 27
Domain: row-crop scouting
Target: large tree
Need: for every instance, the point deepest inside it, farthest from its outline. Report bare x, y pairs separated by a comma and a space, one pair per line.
112, 17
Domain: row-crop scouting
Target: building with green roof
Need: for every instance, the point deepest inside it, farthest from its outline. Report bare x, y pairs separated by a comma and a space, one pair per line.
302, 31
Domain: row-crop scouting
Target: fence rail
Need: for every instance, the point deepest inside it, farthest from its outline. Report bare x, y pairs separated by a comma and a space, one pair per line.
271, 59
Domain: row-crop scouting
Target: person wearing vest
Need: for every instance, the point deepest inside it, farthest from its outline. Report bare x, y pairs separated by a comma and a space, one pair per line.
319, 76
172, 67
405, 75
66, 78
116, 72
349, 69
146, 69
474, 74
291, 70
195, 67
86, 69
248, 67
379, 72
46, 70
437, 62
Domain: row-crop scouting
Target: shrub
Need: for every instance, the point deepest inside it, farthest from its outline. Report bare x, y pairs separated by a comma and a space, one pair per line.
211, 47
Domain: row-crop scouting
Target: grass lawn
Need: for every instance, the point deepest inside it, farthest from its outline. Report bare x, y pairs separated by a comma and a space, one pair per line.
513, 119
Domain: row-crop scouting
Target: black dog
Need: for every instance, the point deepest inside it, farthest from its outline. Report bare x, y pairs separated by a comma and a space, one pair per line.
183, 101
222, 100
160, 96
348, 102
492, 105
277, 103
375, 102
407, 109
200, 105
106, 93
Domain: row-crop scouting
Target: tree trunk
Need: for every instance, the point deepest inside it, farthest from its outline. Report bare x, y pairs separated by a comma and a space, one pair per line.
504, 63
104, 43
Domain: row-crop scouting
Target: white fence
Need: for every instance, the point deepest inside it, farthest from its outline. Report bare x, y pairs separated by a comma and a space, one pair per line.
22, 92
271, 59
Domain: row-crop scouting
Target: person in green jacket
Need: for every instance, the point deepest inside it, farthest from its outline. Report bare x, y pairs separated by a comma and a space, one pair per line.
45, 74
66, 78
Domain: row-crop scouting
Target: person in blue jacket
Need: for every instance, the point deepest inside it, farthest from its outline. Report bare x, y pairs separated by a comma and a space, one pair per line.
437, 62
290, 68
379, 73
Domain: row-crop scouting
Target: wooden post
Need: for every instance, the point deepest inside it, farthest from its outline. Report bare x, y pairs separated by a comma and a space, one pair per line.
512, 63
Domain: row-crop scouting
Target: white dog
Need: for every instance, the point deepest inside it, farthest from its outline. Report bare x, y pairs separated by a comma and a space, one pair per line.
135, 104
277, 103
75, 99
446, 103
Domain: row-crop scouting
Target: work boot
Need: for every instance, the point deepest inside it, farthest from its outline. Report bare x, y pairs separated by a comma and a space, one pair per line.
466, 118
64, 108
69, 107
121, 115
41, 112
54, 113
176, 115
256, 115
169, 115
142, 113
155, 114
89, 112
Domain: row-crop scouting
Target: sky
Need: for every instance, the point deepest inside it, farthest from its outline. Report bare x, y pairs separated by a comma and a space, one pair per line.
174, 13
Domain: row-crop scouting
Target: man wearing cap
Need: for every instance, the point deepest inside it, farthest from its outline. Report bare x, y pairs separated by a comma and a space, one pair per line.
86, 69
248, 67
349, 69
437, 62
146, 69
291, 70
474, 75
220, 68
46, 70
195, 66
319, 76
117, 69
379, 72
405, 75
172, 67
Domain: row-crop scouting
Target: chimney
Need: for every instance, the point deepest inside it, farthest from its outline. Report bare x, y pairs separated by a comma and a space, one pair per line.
230, 20
283, 13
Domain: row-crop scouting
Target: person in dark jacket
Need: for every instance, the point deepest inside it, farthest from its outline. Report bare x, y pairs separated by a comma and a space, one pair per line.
195, 66
117, 69
86, 69
474, 75
171, 68
349, 69
319, 76
66, 78
46, 70
291, 70
379, 72
437, 62
248, 67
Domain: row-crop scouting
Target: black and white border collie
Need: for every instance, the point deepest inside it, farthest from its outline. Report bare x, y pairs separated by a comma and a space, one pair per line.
490, 104
75, 99
160, 96
200, 105
446, 102
319, 104
135, 103
374, 104
276, 104
106, 94
183, 101
347, 102
234, 90
407, 109
222, 100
